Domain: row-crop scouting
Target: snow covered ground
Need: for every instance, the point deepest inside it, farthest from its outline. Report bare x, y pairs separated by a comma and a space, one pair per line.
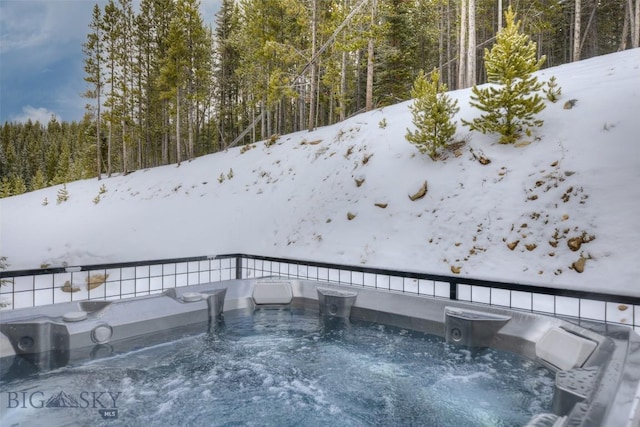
341, 194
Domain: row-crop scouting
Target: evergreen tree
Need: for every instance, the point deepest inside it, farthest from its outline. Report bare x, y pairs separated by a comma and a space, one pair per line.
64, 164
38, 181
186, 71
510, 103
6, 189
18, 185
395, 54
152, 34
111, 28
432, 111
553, 91
63, 194
93, 63
226, 63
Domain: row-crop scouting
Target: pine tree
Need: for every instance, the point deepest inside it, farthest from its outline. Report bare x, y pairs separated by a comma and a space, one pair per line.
395, 54
38, 181
110, 27
186, 71
93, 63
226, 63
432, 111
6, 189
18, 185
553, 91
64, 165
63, 194
510, 102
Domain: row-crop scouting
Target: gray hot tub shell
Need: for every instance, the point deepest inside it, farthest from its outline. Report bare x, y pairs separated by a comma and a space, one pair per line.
597, 366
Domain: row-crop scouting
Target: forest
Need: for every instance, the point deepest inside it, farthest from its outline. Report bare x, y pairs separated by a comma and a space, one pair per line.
163, 87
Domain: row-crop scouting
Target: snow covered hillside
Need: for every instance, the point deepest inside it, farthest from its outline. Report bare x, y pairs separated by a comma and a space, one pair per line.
567, 197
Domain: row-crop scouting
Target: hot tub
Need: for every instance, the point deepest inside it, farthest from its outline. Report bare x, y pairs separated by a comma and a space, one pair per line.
595, 367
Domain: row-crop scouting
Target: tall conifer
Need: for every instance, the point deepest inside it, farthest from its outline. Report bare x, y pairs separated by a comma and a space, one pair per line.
93, 63
432, 111
510, 102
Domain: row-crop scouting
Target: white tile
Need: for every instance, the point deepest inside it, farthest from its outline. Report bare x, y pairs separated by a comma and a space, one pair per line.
566, 306
543, 303
521, 300
426, 287
619, 313
594, 310
501, 297
396, 283
480, 294
464, 292
442, 289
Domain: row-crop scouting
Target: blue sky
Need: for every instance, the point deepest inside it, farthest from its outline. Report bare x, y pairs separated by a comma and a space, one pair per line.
41, 70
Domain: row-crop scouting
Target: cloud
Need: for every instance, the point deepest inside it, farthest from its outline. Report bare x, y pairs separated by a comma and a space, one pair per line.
41, 55
34, 114
30, 24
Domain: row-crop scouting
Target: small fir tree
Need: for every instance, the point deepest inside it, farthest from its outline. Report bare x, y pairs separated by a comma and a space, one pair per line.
63, 194
553, 91
510, 103
6, 188
39, 181
18, 185
432, 111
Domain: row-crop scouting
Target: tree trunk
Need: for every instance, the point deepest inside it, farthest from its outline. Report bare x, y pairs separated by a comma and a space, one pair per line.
499, 15
191, 121
109, 139
462, 45
576, 31
369, 95
123, 123
450, 73
98, 139
165, 134
471, 53
635, 40
625, 31
343, 87
178, 148
314, 66
441, 28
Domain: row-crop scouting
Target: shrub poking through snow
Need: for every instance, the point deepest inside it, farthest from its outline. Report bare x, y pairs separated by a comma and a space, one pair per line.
63, 194
432, 111
553, 91
510, 102
272, 140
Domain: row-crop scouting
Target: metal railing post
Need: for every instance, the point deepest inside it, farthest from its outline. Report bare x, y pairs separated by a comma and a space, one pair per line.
238, 267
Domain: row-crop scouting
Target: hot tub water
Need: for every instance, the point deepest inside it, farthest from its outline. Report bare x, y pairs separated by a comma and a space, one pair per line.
282, 368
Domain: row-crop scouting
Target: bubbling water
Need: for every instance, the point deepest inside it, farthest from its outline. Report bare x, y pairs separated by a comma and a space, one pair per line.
283, 369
